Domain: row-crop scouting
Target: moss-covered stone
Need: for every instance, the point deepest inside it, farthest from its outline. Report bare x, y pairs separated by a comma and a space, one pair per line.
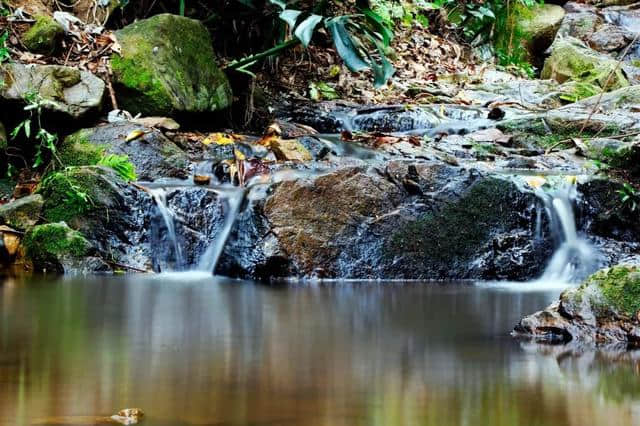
47, 244
77, 150
22, 213
73, 193
44, 36
541, 25
457, 230
167, 66
572, 60
614, 290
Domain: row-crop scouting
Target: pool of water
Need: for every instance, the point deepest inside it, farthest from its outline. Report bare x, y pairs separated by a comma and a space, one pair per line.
209, 351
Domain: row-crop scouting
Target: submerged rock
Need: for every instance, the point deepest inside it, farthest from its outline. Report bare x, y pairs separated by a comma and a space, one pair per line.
167, 66
602, 311
44, 36
572, 60
152, 154
22, 213
61, 89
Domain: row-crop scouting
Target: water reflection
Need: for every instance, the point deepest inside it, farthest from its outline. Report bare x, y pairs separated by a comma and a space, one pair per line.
205, 351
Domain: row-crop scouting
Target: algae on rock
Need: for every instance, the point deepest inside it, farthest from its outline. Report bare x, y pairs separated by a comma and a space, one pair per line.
43, 37
47, 245
168, 66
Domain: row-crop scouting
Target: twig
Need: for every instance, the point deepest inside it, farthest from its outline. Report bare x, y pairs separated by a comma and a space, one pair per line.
132, 268
621, 136
112, 93
606, 84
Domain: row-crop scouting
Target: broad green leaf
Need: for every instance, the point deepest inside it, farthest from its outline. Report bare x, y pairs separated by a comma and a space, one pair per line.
381, 26
344, 44
304, 31
281, 4
290, 16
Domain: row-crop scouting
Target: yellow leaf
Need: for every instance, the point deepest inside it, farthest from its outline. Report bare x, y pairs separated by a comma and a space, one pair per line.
571, 179
535, 181
135, 134
239, 155
218, 139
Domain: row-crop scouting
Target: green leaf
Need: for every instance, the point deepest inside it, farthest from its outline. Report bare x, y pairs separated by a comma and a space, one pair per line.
281, 4
381, 26
344, 44
305, 30
290, 16
382, 72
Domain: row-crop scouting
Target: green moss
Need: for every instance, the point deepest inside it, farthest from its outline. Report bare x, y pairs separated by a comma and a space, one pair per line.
43, 37
77, 150
67, 194
620, 287
456, 231
167, 65
48, 242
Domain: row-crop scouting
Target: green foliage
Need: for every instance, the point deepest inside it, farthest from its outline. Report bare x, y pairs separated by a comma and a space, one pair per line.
121, 164
66, 194
581, 90
629, 196
44, 243
45, 140
4, 50
362, 40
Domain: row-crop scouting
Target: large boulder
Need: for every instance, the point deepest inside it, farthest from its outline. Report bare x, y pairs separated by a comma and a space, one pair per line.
604, 310
407, 220
152, 154
111, 215
571, 60
167, 66
62, 89
541, 25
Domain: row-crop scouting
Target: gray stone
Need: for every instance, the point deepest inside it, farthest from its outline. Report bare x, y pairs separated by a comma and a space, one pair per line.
22, 213
62, 89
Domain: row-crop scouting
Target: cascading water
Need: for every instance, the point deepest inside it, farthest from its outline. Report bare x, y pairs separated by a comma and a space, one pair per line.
231, 198
574, 257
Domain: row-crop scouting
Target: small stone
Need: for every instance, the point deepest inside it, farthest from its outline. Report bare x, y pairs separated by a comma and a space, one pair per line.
128, 416
44, 36
290, 150
22, 213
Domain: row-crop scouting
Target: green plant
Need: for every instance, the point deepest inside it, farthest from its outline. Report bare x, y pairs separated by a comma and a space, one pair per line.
362, 40
45, 140
121, 164
629, 196
73, 197
580, 90
4, 50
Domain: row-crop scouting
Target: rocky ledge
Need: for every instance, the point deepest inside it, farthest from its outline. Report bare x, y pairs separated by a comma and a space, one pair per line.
603, 311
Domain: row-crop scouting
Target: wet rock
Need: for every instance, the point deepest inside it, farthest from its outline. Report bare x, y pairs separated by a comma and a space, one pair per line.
167, 66
111, 214
44, 36
610, 38
614, 153
55, 247
22, 213
541, 25
62, 89
571, 60
152, 154
407, 220
602, 311
579, 23
10, 240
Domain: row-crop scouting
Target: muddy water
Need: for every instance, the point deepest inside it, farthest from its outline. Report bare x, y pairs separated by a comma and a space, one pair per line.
210, 351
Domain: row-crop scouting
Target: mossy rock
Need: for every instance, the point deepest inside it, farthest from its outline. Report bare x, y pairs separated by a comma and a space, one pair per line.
3, 137
22, 213
167, 66
571, 60
541, 24
613, 291
44, 36
48, 245
152, 155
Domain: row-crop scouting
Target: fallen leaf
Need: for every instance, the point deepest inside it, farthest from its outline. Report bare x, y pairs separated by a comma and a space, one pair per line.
158, 122
135, 134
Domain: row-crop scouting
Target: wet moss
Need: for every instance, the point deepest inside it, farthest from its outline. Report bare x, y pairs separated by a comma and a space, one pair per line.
620, 287
460, 227
48, 242
43, 36
77, 150
69, 193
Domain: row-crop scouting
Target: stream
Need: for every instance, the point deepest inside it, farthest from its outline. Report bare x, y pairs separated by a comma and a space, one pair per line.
190, 349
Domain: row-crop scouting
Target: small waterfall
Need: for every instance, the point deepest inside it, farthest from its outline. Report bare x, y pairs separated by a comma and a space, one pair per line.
231, 197
574, 258
160, 197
